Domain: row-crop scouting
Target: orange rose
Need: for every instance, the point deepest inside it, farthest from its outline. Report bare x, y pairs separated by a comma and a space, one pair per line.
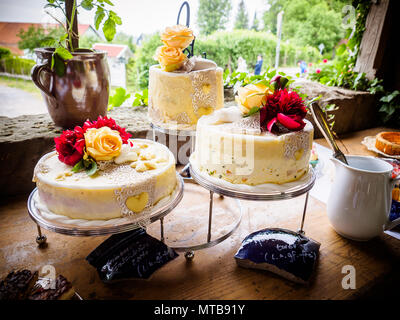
252, 95
177, 36
103, 144
170, 58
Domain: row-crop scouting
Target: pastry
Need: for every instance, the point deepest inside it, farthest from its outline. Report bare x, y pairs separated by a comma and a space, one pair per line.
17, 285
256, 144
388, 142
98, 173
181, 90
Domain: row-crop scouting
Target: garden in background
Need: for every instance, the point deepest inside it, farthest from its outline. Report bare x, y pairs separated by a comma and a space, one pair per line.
318, 33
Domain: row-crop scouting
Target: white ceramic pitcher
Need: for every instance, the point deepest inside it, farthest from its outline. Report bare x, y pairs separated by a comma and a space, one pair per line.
360, 199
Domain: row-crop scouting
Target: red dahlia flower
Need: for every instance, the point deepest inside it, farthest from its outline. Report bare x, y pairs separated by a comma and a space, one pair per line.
70, 146
284, 107
107, 122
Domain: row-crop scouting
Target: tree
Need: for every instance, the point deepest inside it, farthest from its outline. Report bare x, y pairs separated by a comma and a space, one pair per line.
38, 37
213, 15
242, 19
308, 22
256, 22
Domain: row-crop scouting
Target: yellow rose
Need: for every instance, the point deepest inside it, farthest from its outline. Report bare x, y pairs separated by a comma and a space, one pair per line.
103, 144
177, 36
252, 95
170, 58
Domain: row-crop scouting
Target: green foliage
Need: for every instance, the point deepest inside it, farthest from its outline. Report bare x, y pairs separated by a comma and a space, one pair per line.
225, 48
144, 59
213, 15
37, 37
4, 52
118, 98
141, 98
242, 18
89, 165
308, 22
64, 44
16, 65
390, 108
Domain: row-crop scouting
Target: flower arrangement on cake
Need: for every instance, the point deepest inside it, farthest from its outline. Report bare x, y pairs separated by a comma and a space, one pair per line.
281, 109
176, 39
100, 140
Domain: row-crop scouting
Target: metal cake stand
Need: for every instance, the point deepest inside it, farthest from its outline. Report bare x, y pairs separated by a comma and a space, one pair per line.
157, 213
234, 192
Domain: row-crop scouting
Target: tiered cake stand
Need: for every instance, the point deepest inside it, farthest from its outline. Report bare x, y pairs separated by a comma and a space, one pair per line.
281, 193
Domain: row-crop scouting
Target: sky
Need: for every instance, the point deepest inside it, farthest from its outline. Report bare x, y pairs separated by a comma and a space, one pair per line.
138, 16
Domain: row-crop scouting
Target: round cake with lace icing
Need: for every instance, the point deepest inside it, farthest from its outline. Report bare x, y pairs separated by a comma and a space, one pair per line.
180, 98
233, 148
182, 88
132, 182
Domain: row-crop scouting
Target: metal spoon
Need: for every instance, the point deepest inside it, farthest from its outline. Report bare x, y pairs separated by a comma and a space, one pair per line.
320, 120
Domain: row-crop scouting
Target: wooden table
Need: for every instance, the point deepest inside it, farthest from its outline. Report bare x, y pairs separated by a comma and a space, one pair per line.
213, 274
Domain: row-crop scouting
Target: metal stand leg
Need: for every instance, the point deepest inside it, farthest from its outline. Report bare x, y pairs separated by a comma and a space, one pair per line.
301, 231
210, 212
41, 239
162, 229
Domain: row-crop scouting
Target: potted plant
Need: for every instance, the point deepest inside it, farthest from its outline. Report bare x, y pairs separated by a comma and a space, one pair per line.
75, 82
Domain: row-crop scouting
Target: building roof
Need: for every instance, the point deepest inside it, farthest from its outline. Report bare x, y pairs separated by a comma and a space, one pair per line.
9, 31
113, 50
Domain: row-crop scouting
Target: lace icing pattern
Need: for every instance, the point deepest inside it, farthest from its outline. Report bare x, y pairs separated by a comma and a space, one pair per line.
296, 141
248, 125
199, 97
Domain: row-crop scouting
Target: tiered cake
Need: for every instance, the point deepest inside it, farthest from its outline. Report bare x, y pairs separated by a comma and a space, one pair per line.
181, 90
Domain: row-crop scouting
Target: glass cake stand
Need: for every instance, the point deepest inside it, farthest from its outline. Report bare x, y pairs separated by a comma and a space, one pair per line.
230, 190
121, 225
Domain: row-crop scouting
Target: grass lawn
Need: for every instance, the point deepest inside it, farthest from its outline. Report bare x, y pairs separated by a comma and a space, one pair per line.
26, 85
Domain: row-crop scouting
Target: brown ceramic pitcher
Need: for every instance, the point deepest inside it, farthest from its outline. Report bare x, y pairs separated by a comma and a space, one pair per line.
81, 94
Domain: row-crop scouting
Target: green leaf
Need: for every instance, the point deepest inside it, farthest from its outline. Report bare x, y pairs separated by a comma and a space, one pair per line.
115, 18
59, 65
108, 2
99, 16
109, 29
87, 4
119, 97
63, 53
252, 111
79, 166
92, 168
341, 49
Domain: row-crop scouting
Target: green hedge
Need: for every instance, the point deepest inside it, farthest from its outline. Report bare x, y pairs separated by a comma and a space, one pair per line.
15, 65
4, 52
224, 47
